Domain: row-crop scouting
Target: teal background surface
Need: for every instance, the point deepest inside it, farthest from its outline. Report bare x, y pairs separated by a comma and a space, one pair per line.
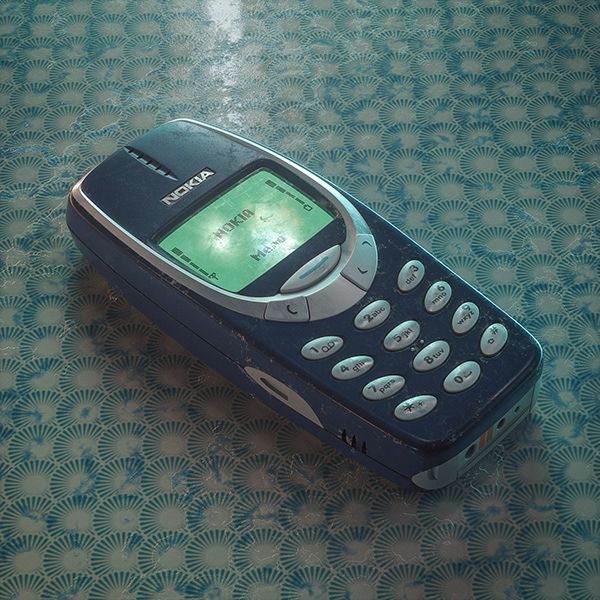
129, 470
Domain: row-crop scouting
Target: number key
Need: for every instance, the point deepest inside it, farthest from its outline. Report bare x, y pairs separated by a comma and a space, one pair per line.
383, 387
402, 336
352, 367
462, 377
322, 347
437, 296
465, 317
411, 274
372, 315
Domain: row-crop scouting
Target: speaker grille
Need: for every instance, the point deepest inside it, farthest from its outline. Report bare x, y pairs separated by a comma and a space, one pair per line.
150, 162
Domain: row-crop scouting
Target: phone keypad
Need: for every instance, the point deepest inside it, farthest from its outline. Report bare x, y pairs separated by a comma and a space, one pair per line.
406, 334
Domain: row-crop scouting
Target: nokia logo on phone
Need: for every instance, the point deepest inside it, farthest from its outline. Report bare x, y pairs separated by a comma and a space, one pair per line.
190, 184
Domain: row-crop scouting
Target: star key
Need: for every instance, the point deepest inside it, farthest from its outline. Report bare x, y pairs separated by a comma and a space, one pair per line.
415, 407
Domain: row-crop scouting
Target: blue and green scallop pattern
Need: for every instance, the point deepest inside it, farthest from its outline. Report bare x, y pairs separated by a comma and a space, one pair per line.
130, 470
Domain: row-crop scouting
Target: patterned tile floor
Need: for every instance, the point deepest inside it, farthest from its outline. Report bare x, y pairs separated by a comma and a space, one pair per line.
129, 470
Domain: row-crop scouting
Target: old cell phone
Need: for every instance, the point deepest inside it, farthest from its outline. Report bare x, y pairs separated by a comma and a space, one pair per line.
306, 298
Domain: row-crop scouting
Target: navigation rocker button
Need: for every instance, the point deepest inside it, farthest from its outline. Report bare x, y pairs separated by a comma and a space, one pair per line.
352, 367
313, 271
294, 309
322, 347
362, 265
415, 408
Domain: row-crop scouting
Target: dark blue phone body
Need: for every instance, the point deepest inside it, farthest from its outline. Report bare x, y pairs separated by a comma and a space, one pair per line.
358, 335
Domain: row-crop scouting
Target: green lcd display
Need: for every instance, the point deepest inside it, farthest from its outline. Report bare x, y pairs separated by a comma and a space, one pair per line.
246, 230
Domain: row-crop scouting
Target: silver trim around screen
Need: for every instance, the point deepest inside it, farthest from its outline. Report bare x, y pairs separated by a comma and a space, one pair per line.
256, 307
